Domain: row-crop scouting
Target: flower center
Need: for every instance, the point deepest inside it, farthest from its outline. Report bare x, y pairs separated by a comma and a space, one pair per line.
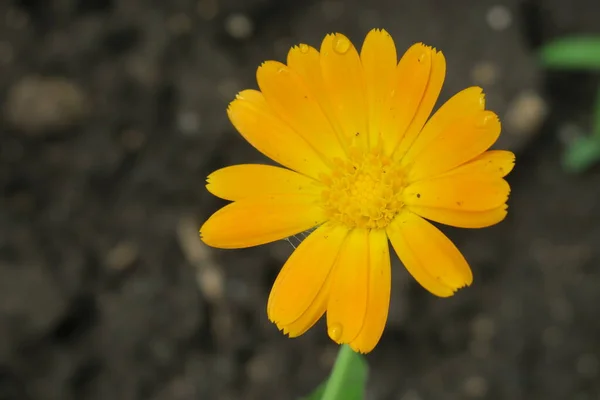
363, 191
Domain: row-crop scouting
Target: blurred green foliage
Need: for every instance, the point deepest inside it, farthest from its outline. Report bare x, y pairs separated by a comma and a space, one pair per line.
572, 53
347, 380
580, 53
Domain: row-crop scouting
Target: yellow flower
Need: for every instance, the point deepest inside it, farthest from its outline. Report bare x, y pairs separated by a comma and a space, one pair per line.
365, 164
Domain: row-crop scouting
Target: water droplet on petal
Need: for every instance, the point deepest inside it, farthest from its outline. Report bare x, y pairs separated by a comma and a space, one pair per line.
341, 45
482, 101
483, 122
335, 332
422, 57
303, 48
282, 70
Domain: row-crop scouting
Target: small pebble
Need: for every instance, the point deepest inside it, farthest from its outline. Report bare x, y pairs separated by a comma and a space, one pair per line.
212, 283
259, 368
39, 105
209, 274
239, 26
483, 327
188, 122
476, 387
526, 113
484, 73
122, 256
499, 17
142, 69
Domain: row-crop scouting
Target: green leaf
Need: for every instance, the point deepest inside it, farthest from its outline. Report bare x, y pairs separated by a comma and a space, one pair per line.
347, 380
585, 152
582, 154
577, 52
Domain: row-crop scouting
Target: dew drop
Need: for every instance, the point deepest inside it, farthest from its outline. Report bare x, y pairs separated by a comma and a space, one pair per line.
483, 122
482, 101
303, 48
422, 57
282, 70
341, 45
335, 332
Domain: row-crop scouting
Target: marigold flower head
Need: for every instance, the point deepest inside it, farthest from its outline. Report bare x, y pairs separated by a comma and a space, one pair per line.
364, 164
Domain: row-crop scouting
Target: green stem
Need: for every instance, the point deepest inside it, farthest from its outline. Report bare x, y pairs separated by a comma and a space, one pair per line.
336, 381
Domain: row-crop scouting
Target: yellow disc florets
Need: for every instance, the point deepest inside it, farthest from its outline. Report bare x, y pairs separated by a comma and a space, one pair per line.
363, 191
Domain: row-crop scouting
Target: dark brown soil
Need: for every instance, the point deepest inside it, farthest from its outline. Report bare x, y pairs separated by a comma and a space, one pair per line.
113, 113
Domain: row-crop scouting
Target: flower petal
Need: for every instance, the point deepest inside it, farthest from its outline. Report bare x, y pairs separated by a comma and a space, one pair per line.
344, 81
456, 144
494, 163
258, 124
429, 256
259, 220
379, 59
462, 219
466, 192
300, 292
347, 304
378, 299
291, 99
466, 102
306, 62
251, 180
410, 82
416, 95
312, 315
469, 196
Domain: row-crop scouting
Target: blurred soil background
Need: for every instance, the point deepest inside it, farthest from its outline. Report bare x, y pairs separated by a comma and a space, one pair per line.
112, 115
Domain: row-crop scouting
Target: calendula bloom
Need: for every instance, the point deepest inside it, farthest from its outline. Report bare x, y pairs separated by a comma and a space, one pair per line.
364, 164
